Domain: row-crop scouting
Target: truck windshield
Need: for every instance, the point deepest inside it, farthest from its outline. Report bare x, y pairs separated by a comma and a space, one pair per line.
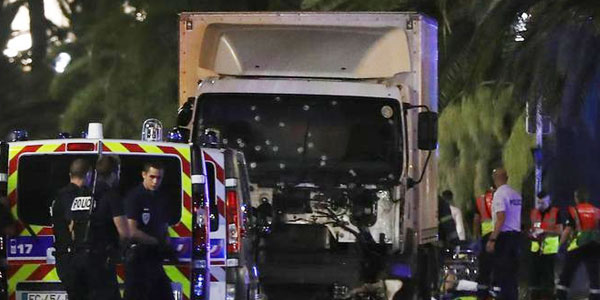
292, 139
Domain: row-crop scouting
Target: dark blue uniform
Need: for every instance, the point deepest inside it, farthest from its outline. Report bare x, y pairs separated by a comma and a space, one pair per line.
83, 257
145, 278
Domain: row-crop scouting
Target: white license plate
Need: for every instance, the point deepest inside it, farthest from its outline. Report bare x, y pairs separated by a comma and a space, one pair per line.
43, 296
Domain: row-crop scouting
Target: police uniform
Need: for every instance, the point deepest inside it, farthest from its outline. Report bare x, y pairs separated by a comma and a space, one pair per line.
545, 239
584, 248
507, 248
83, 258
484, 209
145, 278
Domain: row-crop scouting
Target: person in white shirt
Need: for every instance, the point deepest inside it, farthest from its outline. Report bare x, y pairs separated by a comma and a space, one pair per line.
456, 214
505, 240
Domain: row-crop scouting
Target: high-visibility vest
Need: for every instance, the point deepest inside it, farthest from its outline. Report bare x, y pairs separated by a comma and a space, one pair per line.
548, 223
484, 208
586, 218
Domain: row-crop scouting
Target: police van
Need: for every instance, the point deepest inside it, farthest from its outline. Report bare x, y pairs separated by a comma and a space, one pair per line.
195, 180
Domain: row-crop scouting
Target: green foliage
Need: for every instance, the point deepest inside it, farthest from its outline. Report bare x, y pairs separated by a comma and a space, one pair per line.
517, 157
482, 131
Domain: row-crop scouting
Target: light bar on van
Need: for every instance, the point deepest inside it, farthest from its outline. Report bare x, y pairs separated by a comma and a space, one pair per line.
81, 147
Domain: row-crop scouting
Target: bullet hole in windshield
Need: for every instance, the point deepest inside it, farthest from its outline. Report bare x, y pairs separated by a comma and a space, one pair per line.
253, 107
257, 118
391, 122
306, 107
323, 157
253, 165
334, 103
352, 172
275, 148
277, 99
225, 141
267, 142
311, 145
391, 176
309, 134
281, 124
322, 163
282, 166
300, 149
257, 148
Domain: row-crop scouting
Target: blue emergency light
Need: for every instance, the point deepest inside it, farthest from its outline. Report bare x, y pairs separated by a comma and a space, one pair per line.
17, 135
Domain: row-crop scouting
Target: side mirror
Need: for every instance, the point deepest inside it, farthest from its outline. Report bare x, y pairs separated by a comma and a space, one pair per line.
427, 130
185, 113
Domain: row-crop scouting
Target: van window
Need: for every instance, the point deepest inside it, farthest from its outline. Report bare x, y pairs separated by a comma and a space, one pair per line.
41, 176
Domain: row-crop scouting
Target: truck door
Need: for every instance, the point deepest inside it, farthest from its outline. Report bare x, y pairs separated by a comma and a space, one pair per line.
214, 162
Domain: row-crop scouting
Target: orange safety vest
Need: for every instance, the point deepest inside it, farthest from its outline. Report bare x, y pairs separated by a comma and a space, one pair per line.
547, 222
484, 205
586, 216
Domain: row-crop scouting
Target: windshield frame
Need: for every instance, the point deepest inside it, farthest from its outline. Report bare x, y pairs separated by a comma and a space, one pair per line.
396, 164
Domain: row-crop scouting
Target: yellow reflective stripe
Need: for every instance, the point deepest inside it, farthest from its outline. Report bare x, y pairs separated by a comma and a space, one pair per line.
151, 149
36, 229
186, 183
21, 275
573, 245
550, 245
186, 218
12, 182
13, 150
115, 147
185, 152
51, 276
47, 148
13, 210
176, 276
487, 227
172, 233
535, 246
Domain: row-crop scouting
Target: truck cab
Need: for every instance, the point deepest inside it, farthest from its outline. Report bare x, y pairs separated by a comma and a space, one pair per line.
332, 112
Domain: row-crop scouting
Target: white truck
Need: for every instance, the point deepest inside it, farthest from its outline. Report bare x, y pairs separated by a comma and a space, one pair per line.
332, 112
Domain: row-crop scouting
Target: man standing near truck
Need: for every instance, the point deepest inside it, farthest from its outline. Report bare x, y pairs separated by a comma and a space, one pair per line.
505, 240
483, 227
544, 235
145, 206
581, 227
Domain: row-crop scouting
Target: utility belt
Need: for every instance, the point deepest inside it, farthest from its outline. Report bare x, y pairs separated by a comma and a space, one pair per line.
142, 253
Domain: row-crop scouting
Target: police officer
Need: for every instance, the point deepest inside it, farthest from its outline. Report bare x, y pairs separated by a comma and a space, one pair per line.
62, 225
582, 225
545, 236
483, 227
504, 241
87, 224
145, 206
